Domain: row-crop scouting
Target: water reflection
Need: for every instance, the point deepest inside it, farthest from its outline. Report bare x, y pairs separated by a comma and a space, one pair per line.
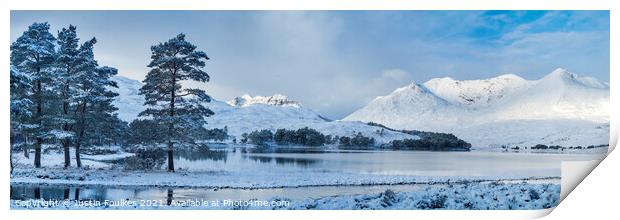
283, 160
201, 154
259, 159
23, 192
296, 161
63, 192
66, 193
170, 195
243, 158
295, 150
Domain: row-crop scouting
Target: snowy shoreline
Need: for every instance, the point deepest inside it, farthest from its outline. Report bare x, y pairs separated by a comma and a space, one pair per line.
241, 180
465, 196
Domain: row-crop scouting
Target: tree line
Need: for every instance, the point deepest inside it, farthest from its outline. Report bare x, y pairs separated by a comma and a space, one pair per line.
305, 137
428, 141
60, 95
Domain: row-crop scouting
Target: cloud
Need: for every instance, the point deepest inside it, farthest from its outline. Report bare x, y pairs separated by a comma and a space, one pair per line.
337, 61
395, 74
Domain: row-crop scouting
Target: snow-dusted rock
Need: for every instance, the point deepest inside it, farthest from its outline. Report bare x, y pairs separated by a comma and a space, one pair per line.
275, 100
476, 93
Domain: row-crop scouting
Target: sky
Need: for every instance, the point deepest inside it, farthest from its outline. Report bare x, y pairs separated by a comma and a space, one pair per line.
335, 62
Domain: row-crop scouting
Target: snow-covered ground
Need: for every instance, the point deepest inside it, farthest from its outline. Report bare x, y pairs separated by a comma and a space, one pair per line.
225, 179
472, 196
512, 133
488, 196
56, 159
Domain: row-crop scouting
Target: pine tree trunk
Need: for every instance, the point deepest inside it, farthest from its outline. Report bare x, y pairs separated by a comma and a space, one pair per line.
78, 161
37, 147
65, 127
37, 193
170, 157
65, 145
12, 142
11, 161
26, 150
25, 146
78, 141
66, 193
37, 153
171, 125
77, 194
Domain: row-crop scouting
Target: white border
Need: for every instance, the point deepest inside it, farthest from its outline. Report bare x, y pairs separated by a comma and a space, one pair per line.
605, 174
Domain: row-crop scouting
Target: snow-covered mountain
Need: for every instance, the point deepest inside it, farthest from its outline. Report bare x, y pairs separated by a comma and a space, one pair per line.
476, 93
129, 101
260, 112
561, 108
275, 100
246, 114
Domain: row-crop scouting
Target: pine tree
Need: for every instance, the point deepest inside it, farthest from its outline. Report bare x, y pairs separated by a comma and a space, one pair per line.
33, 53
20, 109
168, 104
67, 68
103, 119
20, 95
87, 66
93, 102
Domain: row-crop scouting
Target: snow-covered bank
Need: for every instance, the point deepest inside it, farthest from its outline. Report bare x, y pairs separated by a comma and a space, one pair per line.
595, 150
55, 159
491, 196
224, 179
474, 196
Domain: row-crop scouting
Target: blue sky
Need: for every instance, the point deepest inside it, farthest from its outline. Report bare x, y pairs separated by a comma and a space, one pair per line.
337, 61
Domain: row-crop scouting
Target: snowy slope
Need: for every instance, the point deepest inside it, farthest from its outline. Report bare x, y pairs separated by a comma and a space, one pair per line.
412, 106
246, 114
129, 102
476, 93
559, 95
561, 108
275, 100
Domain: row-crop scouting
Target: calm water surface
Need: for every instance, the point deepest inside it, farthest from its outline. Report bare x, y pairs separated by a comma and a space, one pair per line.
422, 163
306, 159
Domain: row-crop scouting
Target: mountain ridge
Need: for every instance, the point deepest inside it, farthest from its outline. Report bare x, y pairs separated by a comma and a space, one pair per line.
558, 98
247, 113
561, 108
